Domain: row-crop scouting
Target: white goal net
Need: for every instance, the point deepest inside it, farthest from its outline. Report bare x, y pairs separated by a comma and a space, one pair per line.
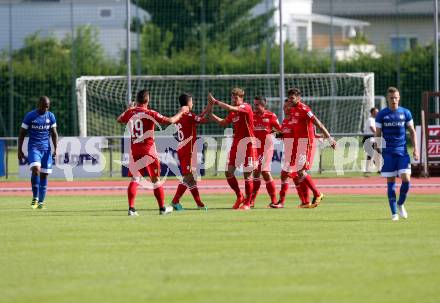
341, 101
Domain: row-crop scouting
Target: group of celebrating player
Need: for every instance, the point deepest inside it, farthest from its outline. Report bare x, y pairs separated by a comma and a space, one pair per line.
252, 148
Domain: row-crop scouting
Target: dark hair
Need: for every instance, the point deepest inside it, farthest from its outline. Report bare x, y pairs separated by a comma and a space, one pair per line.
184, 99
294, 92
373, 109
262, 99
43, 99
141, 95
392, 90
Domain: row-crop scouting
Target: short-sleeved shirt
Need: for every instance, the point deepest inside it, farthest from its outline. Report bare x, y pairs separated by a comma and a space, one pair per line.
38, 127
287, 128
263, 125
142, 123
302, 119
369, 123
187, 131
243, 122
394, 125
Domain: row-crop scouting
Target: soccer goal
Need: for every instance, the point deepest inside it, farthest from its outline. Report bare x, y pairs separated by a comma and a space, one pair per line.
342, 101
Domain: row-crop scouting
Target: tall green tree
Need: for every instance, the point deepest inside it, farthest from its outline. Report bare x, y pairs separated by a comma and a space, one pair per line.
223, 22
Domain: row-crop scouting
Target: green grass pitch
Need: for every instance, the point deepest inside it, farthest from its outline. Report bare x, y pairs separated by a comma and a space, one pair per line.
86, 249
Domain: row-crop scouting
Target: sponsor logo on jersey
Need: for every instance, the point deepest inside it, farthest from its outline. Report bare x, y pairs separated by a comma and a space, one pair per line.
40, 127
394, 123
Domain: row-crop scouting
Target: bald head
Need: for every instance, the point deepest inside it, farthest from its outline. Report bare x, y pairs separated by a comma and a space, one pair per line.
43, 104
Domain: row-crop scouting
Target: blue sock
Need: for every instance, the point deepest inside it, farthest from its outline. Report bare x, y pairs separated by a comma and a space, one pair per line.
35, 181
392, 197
43, 188
403, 192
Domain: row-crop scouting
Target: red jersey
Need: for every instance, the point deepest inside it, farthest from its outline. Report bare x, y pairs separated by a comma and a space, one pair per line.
243, 122
142, 123
287, 128
186, 130
302, 121
263, 125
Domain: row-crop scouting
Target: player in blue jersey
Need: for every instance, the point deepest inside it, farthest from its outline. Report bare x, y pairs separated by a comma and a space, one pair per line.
391, 124
40, 124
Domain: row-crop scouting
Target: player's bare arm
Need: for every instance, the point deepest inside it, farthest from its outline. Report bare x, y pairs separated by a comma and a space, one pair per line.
325, 132
207, 111
378, 134
21, 136
225, 106
218, 120
171, 120
120, 118
413, 136
54, 136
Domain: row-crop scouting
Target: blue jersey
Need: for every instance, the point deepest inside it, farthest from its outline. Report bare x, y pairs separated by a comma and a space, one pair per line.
38, 127
394, 125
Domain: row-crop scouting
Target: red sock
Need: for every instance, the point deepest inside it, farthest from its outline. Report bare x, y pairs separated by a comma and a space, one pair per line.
131, 192
271, 190
233, 183
179, 193
305, 192
160, 196
283, 191
257, 184
248, 186
299, 189
195, 193
310, 184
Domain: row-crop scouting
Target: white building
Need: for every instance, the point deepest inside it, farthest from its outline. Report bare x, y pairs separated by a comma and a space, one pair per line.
55, 17
306, 29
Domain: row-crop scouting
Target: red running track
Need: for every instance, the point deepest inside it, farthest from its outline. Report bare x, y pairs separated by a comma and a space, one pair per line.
350, 186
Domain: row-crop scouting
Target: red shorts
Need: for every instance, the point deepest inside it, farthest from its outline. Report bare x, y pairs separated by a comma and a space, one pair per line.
243, 155
141, 165
187, 159
264, 157
301, 156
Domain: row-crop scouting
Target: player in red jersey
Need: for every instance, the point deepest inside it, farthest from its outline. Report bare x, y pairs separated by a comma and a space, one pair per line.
303, 123
286, 134
265, 122
243, 146
187, 151
143, 154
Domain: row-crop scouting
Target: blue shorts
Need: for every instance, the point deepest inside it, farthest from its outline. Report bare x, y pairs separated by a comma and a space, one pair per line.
395, 164
40, 158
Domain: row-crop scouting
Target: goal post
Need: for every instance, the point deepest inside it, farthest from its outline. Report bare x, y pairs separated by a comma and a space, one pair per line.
341, 100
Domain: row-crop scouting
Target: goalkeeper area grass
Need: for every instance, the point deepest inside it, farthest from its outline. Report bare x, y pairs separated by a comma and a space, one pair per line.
84, 248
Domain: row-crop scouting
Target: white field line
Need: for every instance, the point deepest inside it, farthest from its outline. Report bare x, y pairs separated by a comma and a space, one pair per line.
201, 187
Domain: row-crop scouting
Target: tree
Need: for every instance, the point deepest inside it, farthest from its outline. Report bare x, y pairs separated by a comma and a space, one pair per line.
219, 21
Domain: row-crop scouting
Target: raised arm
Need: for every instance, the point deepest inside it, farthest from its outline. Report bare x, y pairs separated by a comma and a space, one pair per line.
207, 111
325, 132
176, 117
225, 106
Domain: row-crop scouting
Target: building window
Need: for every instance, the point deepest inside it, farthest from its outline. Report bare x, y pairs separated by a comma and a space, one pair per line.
105, 13
403, 43
302, 37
